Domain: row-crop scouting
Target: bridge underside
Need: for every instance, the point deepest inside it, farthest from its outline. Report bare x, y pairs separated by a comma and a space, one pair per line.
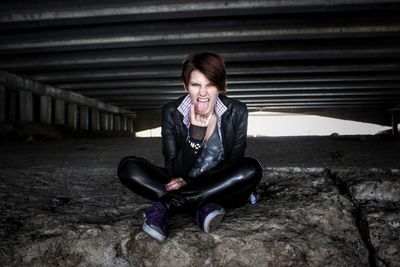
333, 58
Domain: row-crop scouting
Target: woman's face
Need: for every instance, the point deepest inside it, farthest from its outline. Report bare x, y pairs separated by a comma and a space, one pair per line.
204, 93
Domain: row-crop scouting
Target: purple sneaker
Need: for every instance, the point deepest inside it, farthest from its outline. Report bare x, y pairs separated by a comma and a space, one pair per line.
209, 216
156, 221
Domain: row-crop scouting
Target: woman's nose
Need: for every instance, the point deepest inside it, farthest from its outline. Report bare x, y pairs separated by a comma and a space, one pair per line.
203, 91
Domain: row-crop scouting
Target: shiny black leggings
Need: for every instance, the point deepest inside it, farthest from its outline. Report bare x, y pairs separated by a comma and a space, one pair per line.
229, 186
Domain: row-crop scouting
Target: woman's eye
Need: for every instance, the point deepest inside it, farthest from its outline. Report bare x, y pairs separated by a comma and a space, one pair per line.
194, 84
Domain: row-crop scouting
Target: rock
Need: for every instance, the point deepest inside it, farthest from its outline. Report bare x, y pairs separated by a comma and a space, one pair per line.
375, 189
47, 241
384, 231
306, 215
299, 220
377, 195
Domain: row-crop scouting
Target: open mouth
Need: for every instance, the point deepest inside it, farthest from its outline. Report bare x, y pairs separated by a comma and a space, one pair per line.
202, 105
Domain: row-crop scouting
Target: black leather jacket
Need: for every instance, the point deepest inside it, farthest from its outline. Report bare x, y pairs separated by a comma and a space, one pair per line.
179, 155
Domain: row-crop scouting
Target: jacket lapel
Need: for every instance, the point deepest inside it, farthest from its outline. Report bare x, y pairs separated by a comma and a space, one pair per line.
227, 134
180, 127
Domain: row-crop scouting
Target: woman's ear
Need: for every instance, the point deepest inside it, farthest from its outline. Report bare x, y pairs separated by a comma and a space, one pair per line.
184, 86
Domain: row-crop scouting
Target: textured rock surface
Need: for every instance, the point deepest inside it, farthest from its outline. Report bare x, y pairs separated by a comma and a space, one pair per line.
301, 220
377, 198
309, 213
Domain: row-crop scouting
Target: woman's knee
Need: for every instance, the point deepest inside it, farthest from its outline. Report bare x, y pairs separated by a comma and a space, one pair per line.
127, 168
252, 167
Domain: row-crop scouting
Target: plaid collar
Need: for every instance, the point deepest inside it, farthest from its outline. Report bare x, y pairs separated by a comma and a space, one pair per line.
184, 108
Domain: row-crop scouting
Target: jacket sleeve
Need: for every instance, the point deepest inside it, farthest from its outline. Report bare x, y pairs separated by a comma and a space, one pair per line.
240, 133
178, 160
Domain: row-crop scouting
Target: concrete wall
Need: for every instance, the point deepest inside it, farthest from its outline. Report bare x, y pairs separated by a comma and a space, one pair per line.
57, 107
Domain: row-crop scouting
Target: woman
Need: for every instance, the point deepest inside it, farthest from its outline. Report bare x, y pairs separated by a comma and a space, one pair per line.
204, 141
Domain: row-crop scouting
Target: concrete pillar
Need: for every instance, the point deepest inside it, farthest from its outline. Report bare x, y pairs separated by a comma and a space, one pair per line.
104, 121
111, 122
84, 118
117, 123
12, 106
45, 109
72, 115
130, 125
395, 123
124, 125
2, 103
59, 112
26, 106
95, 126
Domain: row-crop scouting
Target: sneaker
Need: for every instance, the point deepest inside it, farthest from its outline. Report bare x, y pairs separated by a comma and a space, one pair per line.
156, 221
209, 216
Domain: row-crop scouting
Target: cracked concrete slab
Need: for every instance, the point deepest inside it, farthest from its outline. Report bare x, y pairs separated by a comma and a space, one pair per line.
322, 201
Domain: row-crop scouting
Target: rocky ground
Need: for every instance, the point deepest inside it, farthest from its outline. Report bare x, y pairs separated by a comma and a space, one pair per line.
323, 201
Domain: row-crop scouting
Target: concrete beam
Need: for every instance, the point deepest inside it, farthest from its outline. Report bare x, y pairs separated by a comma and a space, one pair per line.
45, 109
2, 103
65, 13
203, 31
72, 79
95, 121
265, 95
146, 85
26, 106
287, 103
93, 75
232, 52
252, 90
72, 116
16, 82
59, 112
84, 117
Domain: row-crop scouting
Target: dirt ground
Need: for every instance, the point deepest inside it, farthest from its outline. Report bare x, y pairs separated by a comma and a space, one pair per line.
82, 173
311, 151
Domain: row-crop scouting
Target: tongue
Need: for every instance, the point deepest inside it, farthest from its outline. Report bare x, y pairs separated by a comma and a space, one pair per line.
202, 107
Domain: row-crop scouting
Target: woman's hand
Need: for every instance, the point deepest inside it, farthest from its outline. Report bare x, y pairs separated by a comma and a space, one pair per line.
199, 120
175, 184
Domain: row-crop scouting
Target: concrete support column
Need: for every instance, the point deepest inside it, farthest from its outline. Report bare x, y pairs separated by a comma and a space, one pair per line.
72, 115
124, 124
45, 109
2, 103
12, 106
84, 118
117, 123
95, 126
130, 125
110, 122
104, 121
59, 112
26, 106
395, 123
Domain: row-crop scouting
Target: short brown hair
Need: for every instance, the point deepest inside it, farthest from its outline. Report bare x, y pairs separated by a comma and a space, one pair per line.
208, 63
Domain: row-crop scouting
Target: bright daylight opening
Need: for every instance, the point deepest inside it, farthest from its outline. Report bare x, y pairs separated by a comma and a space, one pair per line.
286, 124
